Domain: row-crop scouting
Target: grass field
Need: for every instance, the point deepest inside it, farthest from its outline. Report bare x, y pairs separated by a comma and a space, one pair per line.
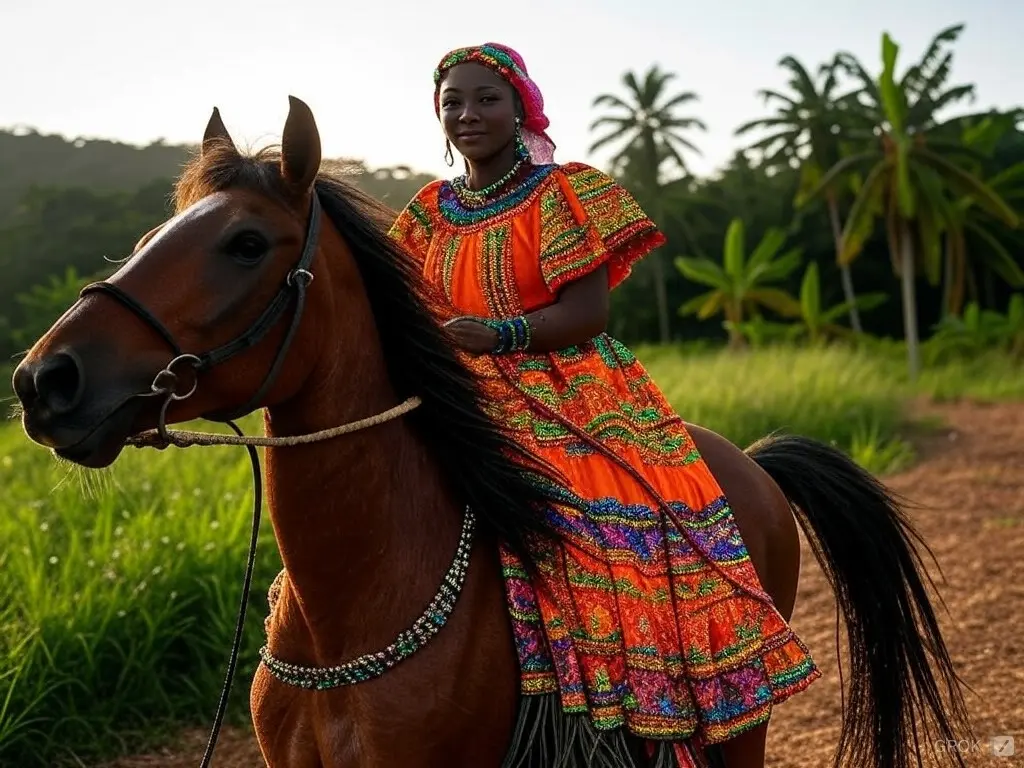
120, 588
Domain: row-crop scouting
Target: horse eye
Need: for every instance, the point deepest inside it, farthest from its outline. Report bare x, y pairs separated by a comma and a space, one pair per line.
247, 247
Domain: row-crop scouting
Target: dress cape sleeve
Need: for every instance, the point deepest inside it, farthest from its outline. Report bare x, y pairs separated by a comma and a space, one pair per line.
588, 219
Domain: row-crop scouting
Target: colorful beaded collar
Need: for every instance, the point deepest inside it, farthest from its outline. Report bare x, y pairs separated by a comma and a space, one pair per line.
461, 212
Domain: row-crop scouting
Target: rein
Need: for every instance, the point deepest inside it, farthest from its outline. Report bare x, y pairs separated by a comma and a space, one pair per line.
165, 384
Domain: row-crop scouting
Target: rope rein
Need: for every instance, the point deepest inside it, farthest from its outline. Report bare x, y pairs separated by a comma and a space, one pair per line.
162, 438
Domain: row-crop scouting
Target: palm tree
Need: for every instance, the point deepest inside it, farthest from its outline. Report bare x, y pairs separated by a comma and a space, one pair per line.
805, 132
645, 122
970, 238
741, 285
909, 178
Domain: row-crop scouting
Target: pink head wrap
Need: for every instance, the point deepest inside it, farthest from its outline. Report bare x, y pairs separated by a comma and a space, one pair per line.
509, 65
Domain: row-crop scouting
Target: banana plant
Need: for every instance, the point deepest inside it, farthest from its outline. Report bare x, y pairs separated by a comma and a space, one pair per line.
909, 177
973, 237
813, 322
818, 323
742, 285
980, 329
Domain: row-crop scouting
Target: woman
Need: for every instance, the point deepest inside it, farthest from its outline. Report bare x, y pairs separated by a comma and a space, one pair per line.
650, 615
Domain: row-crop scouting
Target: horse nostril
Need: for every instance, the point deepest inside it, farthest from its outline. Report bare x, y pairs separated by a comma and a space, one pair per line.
24, 386
58, 383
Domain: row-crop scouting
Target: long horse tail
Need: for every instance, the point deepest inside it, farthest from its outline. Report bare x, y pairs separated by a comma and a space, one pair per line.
868, 550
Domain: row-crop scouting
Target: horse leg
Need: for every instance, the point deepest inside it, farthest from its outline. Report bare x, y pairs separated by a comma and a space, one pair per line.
283, 724
769, 531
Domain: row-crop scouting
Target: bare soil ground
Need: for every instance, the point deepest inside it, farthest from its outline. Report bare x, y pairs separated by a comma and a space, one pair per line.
969, 496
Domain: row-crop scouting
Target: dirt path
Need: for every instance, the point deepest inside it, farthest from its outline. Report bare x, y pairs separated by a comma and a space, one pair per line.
970, 490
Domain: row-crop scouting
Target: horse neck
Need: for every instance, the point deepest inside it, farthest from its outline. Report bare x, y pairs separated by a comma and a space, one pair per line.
364, 523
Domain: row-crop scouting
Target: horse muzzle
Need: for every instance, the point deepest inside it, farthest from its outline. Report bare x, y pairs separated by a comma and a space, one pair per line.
80, 420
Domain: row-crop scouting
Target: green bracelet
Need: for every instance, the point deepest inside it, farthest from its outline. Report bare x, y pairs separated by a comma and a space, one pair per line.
514, 334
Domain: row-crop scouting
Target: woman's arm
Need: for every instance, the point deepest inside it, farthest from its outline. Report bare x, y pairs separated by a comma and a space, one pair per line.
578, 315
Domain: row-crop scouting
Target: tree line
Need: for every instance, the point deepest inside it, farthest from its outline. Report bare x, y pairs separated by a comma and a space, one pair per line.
856, 208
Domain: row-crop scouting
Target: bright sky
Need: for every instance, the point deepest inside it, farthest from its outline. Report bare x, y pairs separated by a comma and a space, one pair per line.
138, 71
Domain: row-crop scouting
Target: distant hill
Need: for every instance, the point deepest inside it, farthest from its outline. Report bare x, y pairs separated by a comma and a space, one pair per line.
29, 158
79, 204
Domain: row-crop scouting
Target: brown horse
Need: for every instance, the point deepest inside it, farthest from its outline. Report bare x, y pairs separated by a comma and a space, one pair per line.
370, 523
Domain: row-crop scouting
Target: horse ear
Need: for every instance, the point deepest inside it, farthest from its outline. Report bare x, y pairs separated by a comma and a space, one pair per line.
300, 147
216, 133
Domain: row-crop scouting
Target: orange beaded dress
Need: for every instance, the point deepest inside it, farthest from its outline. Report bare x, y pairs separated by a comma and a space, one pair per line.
649, 615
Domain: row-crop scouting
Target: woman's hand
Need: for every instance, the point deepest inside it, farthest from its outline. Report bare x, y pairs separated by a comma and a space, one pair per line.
472, 336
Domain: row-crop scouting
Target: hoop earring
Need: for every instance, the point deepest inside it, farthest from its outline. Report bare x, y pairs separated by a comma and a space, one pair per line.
449, 158
522, 153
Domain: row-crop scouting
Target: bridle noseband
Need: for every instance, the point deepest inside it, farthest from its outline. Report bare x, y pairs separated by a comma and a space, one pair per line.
166, 381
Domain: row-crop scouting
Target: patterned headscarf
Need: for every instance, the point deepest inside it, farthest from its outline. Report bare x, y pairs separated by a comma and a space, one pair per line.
510, 66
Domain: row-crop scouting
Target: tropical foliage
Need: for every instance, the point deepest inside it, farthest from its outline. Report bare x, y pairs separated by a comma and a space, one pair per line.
875, 149
742, 285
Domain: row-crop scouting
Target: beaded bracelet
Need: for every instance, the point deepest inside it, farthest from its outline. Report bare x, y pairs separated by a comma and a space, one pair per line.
514, 334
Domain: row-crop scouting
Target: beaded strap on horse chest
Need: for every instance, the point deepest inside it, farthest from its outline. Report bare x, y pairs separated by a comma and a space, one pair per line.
371, 665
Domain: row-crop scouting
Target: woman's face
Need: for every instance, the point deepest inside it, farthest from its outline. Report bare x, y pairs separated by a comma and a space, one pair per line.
478, 111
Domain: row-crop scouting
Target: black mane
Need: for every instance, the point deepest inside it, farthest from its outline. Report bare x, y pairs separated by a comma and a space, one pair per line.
507, 487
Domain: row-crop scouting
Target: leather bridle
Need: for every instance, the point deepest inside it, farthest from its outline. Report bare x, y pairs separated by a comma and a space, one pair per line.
295, 286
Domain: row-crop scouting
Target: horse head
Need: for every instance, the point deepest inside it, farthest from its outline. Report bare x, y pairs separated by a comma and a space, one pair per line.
216, 312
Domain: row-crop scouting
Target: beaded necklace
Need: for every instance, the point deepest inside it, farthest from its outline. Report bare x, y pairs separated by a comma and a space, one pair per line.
515, 192
475, 198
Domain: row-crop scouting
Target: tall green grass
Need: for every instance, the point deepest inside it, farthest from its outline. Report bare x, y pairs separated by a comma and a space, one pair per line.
120, 594
842, 397
119, 590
